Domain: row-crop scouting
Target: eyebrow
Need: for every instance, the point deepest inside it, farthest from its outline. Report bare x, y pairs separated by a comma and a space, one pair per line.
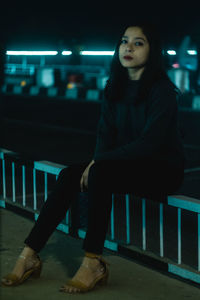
136, 38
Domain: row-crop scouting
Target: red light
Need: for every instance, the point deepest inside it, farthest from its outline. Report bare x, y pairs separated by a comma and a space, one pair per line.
176, 65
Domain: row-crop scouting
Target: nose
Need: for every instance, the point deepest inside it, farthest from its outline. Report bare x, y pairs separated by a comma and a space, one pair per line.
129, 48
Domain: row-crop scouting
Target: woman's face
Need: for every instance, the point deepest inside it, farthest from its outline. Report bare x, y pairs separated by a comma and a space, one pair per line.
134, 48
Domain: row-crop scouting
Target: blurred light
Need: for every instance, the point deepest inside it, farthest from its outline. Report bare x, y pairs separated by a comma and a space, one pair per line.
31, 52
192, 52
23, 83
70, 85
97, 52
171, 52
66, 52
176, 65
45, 77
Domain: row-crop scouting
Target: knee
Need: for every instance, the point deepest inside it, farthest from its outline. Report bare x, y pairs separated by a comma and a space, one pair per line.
65, 174
95, 169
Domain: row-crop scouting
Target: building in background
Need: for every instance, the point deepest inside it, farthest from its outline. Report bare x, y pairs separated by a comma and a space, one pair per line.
72, 72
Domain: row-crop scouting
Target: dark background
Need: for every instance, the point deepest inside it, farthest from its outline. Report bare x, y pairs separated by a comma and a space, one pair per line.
50, 25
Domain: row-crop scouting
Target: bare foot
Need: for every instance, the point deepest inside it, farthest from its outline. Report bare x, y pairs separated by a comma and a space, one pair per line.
23, 263
89, 270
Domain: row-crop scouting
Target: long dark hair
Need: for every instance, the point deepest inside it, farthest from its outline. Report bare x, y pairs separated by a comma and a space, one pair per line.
153, 72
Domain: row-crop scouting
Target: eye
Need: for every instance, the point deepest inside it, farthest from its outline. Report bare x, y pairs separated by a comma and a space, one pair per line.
139, 44
123, 41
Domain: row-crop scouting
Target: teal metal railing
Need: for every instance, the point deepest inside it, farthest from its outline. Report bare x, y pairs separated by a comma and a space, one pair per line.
179, 202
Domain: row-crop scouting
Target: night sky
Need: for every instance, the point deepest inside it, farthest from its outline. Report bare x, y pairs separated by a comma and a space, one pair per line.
94, 24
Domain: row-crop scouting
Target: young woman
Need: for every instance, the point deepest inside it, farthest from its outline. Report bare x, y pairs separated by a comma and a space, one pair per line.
138, 150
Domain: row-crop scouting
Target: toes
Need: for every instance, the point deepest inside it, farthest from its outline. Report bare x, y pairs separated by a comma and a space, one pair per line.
6, 281
69, 289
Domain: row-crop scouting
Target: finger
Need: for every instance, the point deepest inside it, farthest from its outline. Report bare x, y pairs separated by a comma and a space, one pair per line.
86, 181
81, 184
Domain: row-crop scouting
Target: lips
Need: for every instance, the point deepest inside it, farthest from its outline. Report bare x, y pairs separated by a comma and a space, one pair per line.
127, 57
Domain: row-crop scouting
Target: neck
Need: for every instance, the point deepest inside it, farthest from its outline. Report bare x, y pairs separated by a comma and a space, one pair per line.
135, 74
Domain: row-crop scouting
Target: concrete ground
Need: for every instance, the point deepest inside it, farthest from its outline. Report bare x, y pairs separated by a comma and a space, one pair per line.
61, 258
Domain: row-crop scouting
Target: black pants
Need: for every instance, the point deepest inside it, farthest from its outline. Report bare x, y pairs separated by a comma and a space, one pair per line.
147, 178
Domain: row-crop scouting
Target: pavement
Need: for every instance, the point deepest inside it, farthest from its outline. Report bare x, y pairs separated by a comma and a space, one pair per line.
61, 258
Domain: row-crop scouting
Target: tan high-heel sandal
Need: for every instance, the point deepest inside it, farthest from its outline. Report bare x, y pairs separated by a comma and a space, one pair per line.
35, 272
100, 280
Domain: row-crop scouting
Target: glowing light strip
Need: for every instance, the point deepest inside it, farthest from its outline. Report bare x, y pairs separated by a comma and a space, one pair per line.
66, 52
31, 52
171, 52
97, 53
110, 53
192, 52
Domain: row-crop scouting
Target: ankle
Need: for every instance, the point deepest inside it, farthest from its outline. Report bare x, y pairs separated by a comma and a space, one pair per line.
92, 255
91, 262
27, 251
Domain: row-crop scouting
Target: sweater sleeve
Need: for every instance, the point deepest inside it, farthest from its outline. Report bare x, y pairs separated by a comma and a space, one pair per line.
162, 105
106, 130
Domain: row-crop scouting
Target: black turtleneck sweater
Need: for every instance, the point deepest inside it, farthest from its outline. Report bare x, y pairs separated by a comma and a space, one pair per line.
127, 131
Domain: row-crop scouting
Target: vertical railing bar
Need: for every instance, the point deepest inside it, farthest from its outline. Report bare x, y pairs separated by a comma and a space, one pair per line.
13, 181
34, 190
161, 231
45, 186
112, 220
127, 218
179, 235
198, 242
143, 223
4, 178
24, 185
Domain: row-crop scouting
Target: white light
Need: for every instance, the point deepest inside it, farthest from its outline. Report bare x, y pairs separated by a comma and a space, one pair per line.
31, 52
66, 52
97, 52
171, 52
192, 52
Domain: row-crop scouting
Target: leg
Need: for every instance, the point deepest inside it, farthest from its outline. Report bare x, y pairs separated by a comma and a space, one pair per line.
148, 178
52, 213
99, 210
54, 209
